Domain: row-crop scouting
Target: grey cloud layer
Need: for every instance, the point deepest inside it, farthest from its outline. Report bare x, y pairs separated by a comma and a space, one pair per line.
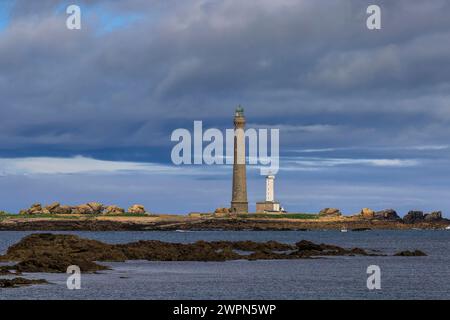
289, 62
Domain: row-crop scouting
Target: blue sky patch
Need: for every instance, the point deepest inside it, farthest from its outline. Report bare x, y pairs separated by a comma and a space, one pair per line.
5, 12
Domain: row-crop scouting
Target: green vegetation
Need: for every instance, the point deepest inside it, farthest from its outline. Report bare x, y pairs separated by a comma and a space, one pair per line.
281, 216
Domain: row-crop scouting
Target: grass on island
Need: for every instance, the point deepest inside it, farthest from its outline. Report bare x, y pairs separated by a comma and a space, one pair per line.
281, 216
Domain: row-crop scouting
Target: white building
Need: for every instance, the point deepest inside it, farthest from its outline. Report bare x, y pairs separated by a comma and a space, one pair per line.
269, 205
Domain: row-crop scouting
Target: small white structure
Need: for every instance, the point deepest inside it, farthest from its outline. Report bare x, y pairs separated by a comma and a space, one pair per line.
270, 192
269, 205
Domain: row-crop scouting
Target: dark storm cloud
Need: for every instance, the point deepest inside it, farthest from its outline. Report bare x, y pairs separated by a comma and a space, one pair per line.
291, 62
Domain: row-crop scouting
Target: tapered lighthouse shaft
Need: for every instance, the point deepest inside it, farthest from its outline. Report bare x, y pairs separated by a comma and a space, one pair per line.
239, 203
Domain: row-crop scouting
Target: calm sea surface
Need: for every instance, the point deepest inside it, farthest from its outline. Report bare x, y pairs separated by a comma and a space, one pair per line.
327, 278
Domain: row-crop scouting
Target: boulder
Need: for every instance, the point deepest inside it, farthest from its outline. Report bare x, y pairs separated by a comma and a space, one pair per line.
433, 216
222, 212
367, 213
62, 210
52, 207
113, 210
137, 209
82, 209
387, 214
96, 207
35, 209
330, 212
413, 216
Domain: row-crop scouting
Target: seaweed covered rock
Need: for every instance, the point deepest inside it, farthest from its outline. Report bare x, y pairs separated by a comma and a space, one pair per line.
54, 263
7, 270
54, 253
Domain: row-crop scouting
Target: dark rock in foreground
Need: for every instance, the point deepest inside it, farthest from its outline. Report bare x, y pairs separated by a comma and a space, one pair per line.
19, 282
54, 253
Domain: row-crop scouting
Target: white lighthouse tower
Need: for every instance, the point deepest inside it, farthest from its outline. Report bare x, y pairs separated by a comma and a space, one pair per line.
270, 192
269, 205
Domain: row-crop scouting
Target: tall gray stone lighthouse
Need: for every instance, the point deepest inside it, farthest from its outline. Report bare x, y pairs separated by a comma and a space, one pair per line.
239, 203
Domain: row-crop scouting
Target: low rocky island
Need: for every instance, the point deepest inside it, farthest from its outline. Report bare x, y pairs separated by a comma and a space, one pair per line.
54, 253
96, 216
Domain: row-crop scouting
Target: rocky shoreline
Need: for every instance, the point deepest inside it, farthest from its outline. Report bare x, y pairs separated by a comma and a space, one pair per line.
47, 252
95, 216
226, 224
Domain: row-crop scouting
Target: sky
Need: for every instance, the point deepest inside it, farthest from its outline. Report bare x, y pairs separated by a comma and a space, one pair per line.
87, 115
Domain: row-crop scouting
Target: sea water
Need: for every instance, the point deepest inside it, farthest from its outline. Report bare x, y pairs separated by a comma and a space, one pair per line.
325, 278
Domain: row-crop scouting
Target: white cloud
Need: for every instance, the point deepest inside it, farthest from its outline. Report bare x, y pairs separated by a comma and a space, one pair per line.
301, 163
313, 128
431, 147
386, 148
77, 165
